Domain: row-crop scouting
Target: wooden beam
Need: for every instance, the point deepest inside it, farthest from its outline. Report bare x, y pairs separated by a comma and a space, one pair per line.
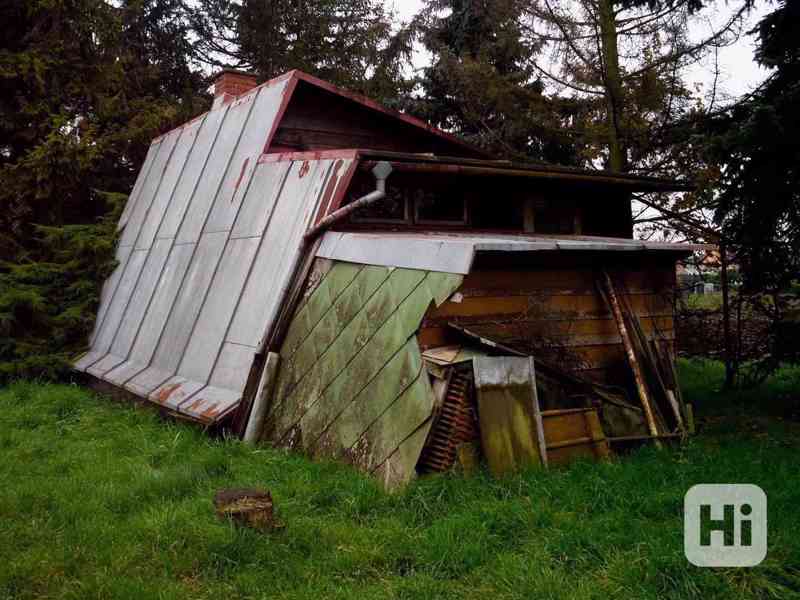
537, 413
641, 388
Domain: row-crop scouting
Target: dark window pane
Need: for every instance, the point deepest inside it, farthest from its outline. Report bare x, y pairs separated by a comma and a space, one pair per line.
432, 206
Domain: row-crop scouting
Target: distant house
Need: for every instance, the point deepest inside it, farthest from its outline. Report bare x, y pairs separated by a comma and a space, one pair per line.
242, 276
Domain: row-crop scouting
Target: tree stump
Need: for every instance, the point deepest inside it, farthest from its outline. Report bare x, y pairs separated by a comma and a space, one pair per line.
249, 507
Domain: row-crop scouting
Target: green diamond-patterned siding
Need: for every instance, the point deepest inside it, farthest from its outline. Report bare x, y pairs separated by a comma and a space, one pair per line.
351, 383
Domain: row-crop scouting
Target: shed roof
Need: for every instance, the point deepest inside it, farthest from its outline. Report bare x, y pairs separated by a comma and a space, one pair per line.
212, 233
454, 252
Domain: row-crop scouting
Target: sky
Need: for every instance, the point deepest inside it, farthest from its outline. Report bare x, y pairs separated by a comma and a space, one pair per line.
739, 74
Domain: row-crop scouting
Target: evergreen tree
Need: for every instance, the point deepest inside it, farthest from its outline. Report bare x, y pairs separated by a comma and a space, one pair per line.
347, 42
756, 142
85, 86
482, 83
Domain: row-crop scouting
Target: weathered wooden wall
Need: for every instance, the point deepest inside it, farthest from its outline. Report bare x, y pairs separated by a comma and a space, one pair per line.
319, 119
351, 384
551, 307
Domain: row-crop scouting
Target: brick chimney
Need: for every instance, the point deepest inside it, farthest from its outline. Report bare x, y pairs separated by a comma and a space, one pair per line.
230, 83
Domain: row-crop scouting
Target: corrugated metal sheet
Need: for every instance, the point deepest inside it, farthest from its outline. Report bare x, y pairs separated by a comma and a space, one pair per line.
454, 252
211, 236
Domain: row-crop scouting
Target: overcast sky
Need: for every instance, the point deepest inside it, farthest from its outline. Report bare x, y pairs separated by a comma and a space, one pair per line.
739, 73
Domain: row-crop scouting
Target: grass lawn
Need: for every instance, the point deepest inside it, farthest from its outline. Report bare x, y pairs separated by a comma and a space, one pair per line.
101, 500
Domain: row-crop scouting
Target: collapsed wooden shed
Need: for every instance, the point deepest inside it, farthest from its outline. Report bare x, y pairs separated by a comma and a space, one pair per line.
244, 274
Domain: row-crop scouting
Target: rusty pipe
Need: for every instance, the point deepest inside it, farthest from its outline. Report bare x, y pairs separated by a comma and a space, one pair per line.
381, 171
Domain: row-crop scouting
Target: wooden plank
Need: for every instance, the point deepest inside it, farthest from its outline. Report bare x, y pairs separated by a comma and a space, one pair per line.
533, 306
629, 352
537, 414
570, 332
507, 422
558, 281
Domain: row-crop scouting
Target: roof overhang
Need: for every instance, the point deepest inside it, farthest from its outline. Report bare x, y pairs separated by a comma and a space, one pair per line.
426, 163
455, 252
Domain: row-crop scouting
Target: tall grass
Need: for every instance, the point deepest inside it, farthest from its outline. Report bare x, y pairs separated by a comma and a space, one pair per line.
101, 500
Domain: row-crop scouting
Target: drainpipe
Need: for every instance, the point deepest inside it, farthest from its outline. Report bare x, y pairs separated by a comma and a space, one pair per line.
262, 401
382, 170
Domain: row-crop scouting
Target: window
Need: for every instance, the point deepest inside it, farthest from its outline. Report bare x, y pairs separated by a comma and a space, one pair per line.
392, 209
433, 207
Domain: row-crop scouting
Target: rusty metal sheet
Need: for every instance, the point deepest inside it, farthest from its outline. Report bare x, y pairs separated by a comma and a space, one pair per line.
214, 172
192, 173
118, 304
279, 251
174, 391
137, 186
149, 190
244, 160
164, 194
210, 403
215, 316
195, 286
155, 319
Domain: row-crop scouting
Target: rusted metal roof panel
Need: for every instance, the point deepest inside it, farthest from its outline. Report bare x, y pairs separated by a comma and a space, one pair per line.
156, 316
206, 260
117, 305
293, 213
134, 313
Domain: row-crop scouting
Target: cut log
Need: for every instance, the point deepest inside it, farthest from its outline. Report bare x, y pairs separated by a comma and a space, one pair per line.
248, 507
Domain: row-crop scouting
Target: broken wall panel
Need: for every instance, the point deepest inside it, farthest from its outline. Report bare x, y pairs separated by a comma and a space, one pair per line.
351, 383
555, 311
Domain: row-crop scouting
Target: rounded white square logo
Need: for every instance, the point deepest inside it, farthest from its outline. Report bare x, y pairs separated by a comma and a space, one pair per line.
725, 525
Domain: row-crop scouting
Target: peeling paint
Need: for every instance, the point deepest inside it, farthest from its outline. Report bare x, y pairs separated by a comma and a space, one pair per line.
239, 179
164, 393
